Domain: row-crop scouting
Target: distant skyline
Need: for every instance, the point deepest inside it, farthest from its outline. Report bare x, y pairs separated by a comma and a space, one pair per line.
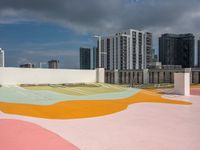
36, 31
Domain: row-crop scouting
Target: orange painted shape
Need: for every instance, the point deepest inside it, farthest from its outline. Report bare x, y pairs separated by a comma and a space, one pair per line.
195, 86
84, 108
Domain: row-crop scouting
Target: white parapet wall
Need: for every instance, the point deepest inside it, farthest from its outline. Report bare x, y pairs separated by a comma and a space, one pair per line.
13, 76
182, 84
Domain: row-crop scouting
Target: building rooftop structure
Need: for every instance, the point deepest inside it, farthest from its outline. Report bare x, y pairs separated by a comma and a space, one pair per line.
28, 65
53, 64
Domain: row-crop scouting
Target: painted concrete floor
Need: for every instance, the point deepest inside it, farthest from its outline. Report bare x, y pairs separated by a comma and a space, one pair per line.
16, 94
141, 126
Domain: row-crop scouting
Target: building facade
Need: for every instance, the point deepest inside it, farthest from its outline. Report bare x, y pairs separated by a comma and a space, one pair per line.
131, 49
177, 49
85, 58
53, 64
2, 58
146, 76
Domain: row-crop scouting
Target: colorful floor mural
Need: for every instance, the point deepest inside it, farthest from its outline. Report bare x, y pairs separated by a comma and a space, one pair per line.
84, 108
16, 94
98, 121
79, 90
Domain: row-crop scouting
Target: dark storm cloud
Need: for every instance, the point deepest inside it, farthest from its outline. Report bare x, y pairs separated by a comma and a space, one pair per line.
101, 16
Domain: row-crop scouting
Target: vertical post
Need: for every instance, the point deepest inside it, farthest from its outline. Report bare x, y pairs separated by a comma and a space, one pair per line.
99, 38
182, 83
116, 77
99, 51
189, 70
3, 57
145, 76
100, 75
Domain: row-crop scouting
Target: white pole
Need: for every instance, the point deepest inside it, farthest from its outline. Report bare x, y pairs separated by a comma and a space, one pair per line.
99, 51
3, 65
99, 38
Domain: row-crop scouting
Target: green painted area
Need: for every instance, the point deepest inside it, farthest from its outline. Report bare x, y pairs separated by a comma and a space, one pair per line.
154, 86
15, 94
80, 90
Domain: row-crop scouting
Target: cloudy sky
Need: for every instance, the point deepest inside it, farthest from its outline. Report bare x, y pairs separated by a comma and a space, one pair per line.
38, 30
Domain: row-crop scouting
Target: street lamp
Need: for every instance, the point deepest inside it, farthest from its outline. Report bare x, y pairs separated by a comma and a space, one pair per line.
99, 38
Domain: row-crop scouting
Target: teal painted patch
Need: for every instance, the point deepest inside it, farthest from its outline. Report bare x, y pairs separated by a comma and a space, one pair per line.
14, 94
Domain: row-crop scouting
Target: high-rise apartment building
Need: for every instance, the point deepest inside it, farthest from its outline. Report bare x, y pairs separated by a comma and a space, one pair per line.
199, 53
2, 59
53, 64
130, 49
177, 49
85, 58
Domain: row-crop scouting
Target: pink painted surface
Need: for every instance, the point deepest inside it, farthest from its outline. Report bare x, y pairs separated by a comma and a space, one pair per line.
21, 135
143, 126
195, 91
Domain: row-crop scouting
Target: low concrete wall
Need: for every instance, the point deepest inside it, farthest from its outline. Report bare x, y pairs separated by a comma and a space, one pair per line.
46, 76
